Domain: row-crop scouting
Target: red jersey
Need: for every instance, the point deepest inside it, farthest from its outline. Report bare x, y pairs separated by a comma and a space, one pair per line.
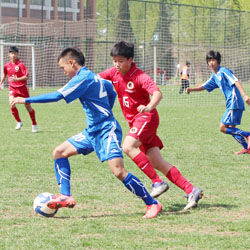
133, 89
17, 69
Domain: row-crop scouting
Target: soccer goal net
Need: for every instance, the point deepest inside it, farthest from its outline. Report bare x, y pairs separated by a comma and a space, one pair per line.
163, 45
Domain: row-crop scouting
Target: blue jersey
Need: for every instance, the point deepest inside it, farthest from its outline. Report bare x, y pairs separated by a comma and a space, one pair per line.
225, 80
95, 94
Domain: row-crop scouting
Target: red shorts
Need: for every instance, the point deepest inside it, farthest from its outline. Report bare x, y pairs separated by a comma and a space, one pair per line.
21, 91
144, 128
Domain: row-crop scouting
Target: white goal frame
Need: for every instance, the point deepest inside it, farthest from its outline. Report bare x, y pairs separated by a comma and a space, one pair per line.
2, 44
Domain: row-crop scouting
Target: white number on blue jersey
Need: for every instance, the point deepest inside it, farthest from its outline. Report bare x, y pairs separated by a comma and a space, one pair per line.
101, 92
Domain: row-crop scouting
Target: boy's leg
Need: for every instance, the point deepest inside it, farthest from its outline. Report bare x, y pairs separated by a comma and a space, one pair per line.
194, 194
15, 113
62, 172
134, 185
32, 113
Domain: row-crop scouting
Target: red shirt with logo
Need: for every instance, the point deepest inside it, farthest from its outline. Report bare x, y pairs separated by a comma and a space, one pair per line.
133, 89
17, 69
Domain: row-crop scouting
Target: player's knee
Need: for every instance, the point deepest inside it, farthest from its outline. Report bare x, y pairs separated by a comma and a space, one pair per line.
58, 152
126, 149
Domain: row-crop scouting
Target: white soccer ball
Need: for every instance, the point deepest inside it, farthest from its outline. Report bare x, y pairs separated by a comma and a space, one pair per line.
40, 206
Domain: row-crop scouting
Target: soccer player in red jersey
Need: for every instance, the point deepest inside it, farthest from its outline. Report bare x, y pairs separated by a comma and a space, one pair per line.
17, 79
142, 145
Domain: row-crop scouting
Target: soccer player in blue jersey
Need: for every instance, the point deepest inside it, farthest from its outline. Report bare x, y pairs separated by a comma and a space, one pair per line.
102, 135
233, 91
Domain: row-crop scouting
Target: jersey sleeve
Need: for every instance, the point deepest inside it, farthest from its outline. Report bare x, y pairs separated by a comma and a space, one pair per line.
24, 70
148, 84
5, 71
106, 74
210, 84
75, 88
45, 98
231, 78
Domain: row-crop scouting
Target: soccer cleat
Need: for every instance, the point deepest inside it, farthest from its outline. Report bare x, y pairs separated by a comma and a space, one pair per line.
248, 142
193, 198
19, 125
152, 210
61, 201
159, 188
243, 151
34, 129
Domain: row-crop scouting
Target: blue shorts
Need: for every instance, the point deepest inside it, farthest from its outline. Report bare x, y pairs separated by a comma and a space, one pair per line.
232, 117
106, 142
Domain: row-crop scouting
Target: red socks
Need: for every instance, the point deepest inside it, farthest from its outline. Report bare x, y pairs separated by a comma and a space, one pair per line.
33, 117
144, 164
176, 177
15, 113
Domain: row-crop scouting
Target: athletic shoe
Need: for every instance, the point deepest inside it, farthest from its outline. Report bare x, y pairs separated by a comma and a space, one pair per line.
19, 125
248, 142
159, 188
152, 210
34, 129
193, 198
243, 151
61, 201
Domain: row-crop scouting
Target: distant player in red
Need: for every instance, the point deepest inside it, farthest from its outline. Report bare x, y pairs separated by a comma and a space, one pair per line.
17, 79
142, 144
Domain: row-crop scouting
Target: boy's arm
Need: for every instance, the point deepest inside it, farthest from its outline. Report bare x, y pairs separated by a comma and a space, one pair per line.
200, 88
2, 80
156, 98
50, 97
243, 93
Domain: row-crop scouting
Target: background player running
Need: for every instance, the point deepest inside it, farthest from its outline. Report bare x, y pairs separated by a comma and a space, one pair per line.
102, 135
142, 144
17, 79
224, 79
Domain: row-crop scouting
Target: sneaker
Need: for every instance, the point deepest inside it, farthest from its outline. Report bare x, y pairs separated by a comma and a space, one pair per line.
19, 125
248, 142
34, 129
152, 210
243, 151
193, 198
159, 188
61, 201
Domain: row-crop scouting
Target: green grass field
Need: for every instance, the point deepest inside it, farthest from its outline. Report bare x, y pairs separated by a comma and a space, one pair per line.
107, 216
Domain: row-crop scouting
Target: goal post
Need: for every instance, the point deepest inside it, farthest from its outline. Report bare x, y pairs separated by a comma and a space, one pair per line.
33, 61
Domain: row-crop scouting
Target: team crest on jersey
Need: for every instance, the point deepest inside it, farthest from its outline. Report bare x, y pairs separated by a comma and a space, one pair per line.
130, 85
16, 68
133, 130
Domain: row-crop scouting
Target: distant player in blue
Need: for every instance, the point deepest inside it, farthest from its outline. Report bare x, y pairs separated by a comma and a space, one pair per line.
233, 91
102, 135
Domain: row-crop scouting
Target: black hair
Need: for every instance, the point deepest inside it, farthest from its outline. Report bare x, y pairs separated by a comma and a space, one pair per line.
123, 48
72, 53
13, 49
188, 63
213, 55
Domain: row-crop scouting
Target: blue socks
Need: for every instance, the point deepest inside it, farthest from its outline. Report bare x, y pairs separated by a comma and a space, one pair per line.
134, 185
241, 140
236, 131
62, 171
238, 135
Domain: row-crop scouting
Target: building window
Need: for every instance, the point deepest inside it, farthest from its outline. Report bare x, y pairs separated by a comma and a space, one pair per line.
9, 1
67, 2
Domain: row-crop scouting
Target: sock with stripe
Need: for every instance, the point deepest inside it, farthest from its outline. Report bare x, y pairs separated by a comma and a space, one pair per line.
62, 171
134, 185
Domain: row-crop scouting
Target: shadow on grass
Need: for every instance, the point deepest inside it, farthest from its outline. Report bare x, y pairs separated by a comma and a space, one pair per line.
178, 208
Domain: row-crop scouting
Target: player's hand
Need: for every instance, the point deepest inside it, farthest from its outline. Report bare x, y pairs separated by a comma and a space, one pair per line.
142, 109
188, 90
16, 100
247, 99
13, 78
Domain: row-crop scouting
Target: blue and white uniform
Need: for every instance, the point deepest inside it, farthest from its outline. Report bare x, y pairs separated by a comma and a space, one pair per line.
103, 133
225, 80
